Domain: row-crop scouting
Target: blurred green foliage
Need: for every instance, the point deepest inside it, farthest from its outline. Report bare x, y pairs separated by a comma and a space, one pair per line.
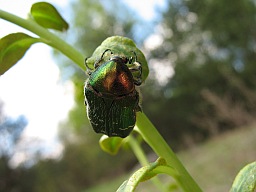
211, 47
210, 44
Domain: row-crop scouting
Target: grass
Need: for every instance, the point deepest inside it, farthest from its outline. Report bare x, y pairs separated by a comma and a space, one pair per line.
213, 164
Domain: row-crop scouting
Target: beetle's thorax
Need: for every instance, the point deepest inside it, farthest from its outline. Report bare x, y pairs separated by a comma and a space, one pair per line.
112, 78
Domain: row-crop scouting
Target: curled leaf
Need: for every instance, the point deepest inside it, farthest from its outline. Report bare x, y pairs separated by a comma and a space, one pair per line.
110, 145
12, 48
245, 181
121, 46
145, 173
47, 16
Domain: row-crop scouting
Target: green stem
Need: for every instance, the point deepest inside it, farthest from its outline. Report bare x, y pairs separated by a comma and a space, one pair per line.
46, 37
136, 148
146, 128
162, 149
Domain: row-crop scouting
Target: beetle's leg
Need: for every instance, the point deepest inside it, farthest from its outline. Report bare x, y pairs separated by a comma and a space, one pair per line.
97, 63
137, 81
88, 69
105, 52
130, 60
135, 67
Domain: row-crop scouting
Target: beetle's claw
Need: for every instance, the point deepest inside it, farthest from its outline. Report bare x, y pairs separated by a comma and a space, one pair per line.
137, 82
136, 68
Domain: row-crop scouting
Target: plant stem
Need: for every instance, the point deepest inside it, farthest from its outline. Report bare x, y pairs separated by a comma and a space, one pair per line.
140, 155
161, 148
46, 37
146, 128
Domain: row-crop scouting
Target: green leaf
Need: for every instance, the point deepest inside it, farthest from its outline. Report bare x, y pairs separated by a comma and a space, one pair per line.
12, 48
47, 16
121, 46
145, 173
110, 145
245, 181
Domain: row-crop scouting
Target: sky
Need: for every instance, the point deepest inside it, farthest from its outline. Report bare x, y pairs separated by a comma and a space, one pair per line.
33, 87
145, 8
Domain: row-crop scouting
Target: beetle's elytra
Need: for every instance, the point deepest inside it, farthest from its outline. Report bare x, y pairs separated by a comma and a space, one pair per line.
110, 95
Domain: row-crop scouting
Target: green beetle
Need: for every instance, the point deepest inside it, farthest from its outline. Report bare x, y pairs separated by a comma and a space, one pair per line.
110, 95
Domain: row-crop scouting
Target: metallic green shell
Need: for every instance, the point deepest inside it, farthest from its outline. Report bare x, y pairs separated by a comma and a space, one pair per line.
111, 116
112, 79
123, 47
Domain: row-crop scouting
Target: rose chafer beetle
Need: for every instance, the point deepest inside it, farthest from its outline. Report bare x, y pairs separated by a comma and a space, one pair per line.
110, 94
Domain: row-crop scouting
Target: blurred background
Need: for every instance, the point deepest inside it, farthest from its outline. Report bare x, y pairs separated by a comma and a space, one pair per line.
200, 94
